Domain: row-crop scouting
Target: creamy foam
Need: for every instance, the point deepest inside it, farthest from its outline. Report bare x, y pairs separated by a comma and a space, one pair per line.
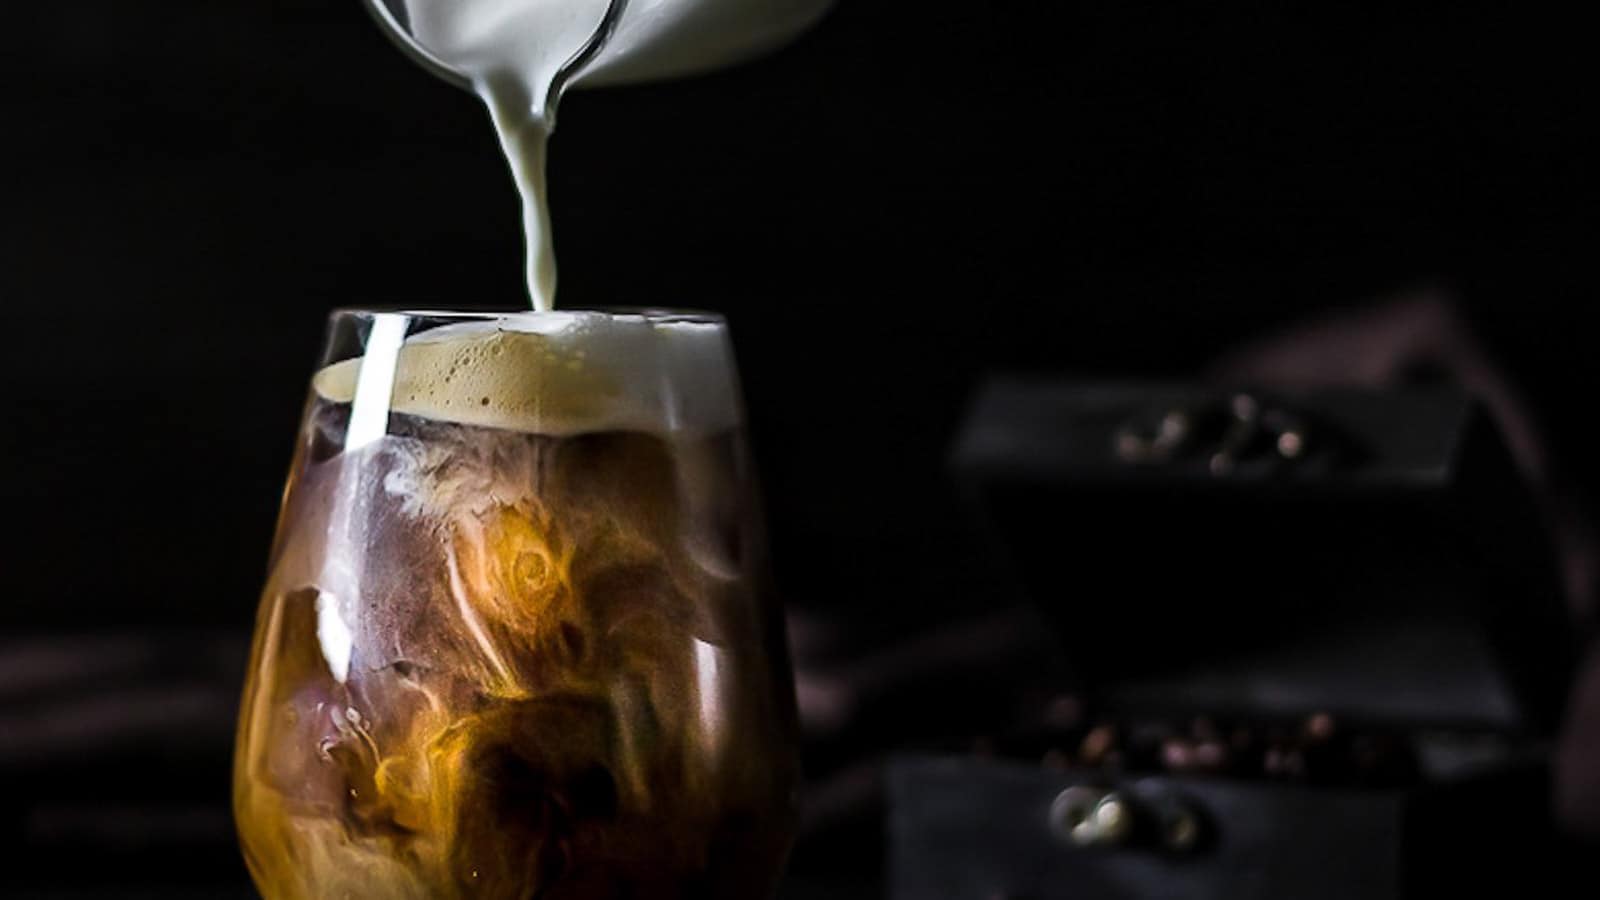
559, 374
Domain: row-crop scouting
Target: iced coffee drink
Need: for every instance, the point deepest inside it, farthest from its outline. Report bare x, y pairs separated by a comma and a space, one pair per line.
514, 640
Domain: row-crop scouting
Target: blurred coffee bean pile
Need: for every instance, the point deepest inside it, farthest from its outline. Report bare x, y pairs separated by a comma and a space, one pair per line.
1317, 750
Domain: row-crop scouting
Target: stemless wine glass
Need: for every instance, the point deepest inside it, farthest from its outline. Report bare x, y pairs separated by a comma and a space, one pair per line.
515, 639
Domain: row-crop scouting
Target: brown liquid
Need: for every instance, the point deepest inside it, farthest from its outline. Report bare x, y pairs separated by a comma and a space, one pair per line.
559, 677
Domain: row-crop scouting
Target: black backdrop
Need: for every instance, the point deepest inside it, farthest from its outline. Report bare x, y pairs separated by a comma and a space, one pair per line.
914, 194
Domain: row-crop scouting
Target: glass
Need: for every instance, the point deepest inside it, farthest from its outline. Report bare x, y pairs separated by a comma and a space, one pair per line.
515, 639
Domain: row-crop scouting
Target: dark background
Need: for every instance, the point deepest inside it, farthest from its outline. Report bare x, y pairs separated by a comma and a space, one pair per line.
914, 194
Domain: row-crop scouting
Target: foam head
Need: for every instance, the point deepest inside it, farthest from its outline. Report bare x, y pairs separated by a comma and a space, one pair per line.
557, 373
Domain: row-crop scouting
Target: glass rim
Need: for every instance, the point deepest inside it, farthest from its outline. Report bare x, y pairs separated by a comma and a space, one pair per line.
654, 314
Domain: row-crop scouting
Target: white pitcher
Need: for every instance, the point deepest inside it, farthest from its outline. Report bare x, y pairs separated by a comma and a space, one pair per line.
602, 41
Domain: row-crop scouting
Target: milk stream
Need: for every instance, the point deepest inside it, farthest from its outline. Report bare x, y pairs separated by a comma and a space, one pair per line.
516, 53
520, 54
525, 140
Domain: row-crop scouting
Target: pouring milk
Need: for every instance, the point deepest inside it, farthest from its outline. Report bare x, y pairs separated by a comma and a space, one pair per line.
519, 55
